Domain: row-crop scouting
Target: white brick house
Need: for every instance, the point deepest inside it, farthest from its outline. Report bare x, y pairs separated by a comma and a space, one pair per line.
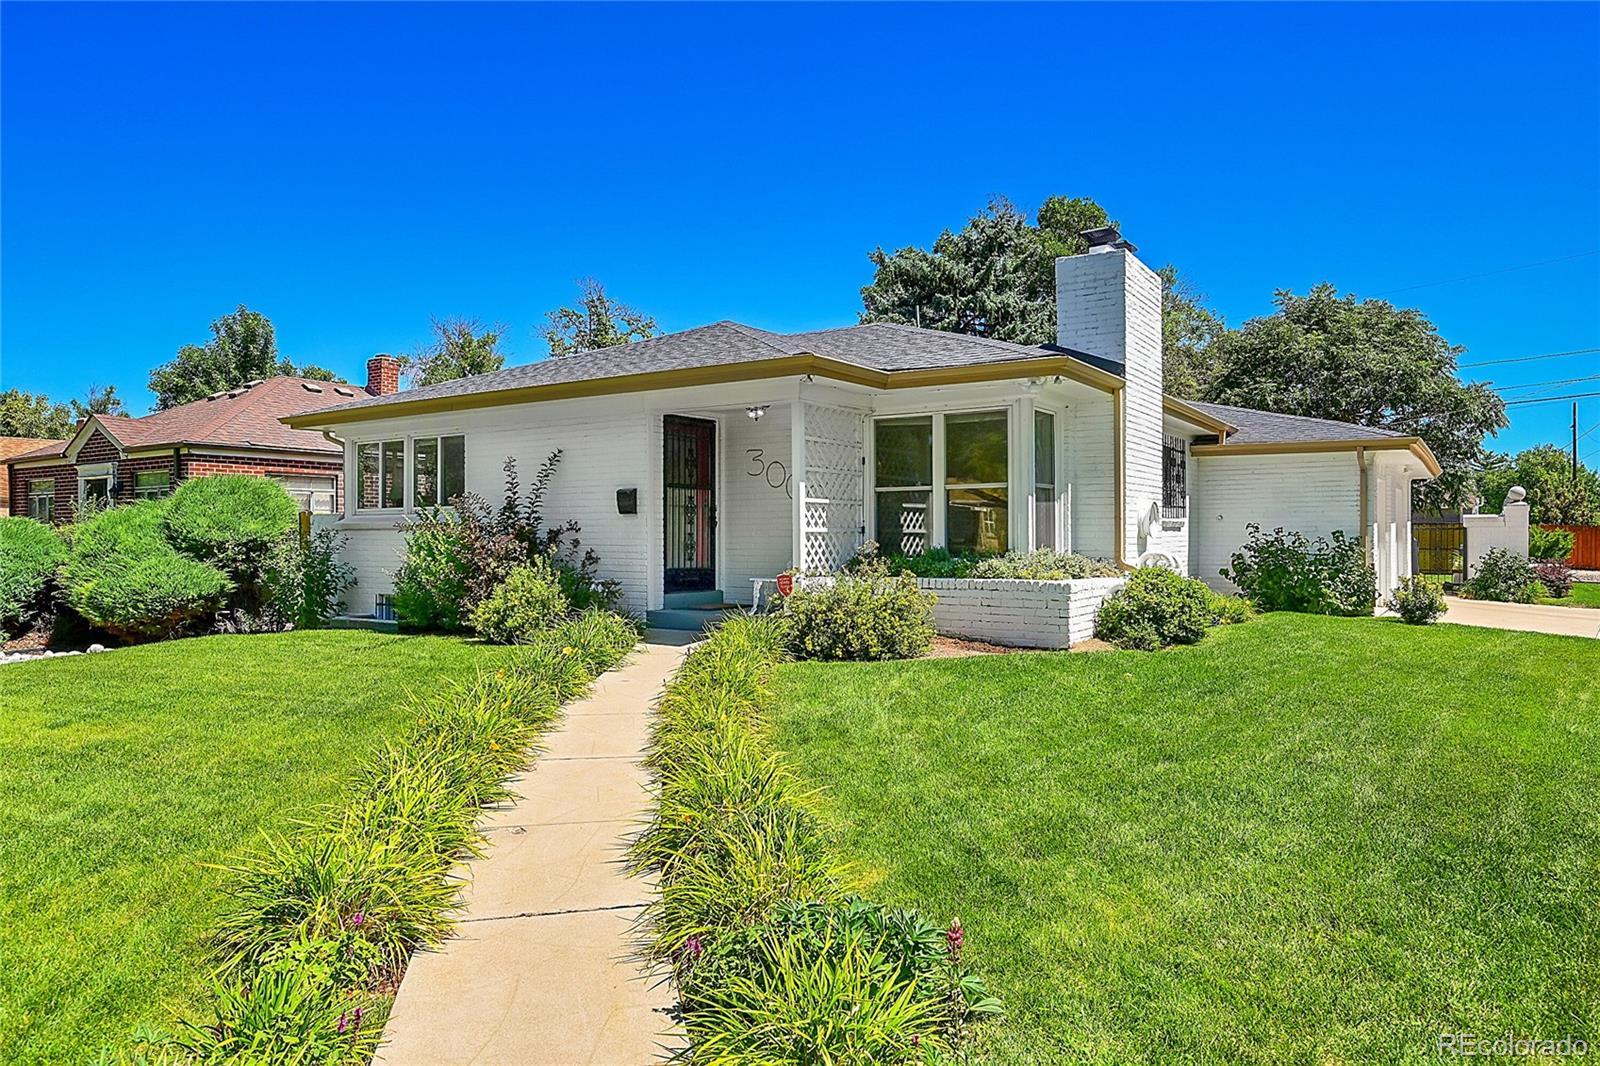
699, 461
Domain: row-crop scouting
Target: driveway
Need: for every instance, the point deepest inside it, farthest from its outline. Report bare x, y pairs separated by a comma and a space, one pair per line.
1528, 617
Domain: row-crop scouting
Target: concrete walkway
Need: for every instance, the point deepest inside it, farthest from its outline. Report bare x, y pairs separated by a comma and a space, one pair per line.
1529, 617
539, 971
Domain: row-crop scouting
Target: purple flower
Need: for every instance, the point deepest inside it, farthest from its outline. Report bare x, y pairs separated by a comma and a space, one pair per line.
359, 1012
357, 920
693, 948
344, 1024
955, 937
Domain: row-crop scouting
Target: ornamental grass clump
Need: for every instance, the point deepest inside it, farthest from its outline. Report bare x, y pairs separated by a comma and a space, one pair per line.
774, 962
321, 920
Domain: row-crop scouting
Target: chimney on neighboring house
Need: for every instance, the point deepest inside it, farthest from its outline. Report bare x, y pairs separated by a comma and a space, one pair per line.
1108, 304
383, 375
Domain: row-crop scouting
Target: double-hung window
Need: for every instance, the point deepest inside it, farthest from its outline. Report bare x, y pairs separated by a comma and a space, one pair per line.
976, 500
42, 499
381, 475
903, 469
438, 470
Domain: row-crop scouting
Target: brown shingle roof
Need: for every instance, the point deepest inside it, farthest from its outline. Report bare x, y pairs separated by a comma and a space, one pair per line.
246, 417
11, 447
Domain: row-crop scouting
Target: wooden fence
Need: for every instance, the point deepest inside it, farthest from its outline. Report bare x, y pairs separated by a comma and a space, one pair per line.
1585, 546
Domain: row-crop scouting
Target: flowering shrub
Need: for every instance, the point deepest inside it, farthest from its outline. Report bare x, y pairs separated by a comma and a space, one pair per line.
527, 603
1288, 571
1505, 576
1417, 601
860, 614
1555, 576
30, 552
1155, 609
773, 961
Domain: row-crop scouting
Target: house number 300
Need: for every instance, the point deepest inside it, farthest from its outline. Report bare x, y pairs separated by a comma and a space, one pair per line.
773, 472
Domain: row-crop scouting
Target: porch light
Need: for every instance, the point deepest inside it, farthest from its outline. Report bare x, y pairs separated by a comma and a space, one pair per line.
756, 412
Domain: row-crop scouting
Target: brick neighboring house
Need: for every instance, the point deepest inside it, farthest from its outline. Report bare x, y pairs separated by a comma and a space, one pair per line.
10, 448
124, 459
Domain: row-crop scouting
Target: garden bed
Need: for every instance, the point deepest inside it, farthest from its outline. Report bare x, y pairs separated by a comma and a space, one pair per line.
1018, 613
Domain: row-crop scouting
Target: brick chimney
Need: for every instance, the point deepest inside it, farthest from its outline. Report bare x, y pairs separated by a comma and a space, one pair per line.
383, 375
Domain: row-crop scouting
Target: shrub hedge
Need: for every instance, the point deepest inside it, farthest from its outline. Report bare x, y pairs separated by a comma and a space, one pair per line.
123, 575
775, 961
1288, 571
1044, 564
1155, 609
529, 601
319, 922
231, 521
1505, 576
30, 552
861, 614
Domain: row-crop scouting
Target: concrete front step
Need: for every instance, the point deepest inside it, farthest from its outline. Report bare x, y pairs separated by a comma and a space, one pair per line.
694, 619
702, 598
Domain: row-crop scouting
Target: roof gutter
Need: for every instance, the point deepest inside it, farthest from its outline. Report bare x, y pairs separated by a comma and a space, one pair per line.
1415, 445
719, 374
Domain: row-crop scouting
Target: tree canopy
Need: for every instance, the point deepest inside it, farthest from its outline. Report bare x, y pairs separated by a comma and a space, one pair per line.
243, 347
1555, 496
597, 322
102, 400
27, 414
995, 278
461, 347
1365, 361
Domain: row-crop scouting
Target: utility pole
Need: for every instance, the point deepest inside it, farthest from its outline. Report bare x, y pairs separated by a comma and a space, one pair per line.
1574, 442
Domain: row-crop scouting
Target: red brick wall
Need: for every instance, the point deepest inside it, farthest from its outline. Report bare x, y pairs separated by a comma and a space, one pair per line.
66, 475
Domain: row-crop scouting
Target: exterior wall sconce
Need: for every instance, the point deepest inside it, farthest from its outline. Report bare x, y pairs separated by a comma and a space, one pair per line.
756, 412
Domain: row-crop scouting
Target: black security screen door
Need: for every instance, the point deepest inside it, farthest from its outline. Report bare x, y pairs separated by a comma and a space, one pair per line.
690, 454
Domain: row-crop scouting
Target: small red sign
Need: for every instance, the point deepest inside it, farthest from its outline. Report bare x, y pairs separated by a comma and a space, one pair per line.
785, 584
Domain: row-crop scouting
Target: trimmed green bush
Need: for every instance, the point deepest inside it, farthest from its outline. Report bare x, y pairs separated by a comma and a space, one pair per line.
30, 552
124, 577
528, 602
1505, 576
1550, 543
1416, 600
775, 963
231, 521
1230, 610
1155, 609
1288, 571
1044, 564
862, 614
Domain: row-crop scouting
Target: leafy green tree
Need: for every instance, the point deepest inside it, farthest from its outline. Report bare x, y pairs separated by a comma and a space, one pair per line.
460, 348
26, 414
597, 322
103, 400
1365, 361
996, 278
1555, 496
243, 347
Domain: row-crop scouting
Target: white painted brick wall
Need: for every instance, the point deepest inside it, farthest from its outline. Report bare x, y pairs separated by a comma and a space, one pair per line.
754, 520
1090, 473
1021, 614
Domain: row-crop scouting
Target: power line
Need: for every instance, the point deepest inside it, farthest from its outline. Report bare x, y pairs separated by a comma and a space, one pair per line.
1553, 399
1491, 273
1539, 384
1529, 358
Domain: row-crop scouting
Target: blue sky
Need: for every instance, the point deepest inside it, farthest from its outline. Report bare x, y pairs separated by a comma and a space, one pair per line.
352, 170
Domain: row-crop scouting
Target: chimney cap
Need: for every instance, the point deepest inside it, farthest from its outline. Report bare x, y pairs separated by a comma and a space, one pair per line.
1105, 239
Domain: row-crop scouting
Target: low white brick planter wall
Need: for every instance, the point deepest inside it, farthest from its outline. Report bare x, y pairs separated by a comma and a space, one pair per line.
1021, 614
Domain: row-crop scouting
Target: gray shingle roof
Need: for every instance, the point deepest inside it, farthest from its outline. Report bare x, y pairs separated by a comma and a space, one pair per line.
1266, 427
876, 346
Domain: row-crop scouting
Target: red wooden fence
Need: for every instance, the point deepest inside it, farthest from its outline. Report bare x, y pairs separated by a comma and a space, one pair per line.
1585, 546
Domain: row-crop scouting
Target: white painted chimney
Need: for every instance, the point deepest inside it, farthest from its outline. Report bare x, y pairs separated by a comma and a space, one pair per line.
1108, 304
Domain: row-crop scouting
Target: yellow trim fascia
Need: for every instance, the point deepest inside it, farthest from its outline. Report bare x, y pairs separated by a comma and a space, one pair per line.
1178, 409
1415, 445
721, 374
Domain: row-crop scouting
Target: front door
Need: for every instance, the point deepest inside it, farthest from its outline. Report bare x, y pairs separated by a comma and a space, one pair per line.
690, 457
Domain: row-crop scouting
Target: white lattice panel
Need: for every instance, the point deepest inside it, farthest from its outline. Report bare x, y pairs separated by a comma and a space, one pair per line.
833, 513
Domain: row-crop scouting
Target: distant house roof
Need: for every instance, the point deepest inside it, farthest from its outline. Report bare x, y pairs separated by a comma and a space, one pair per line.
878, 347
246, 417
1267, 427
12, 447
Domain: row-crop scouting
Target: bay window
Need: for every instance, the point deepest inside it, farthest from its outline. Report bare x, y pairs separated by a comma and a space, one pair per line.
903, 472
976, 499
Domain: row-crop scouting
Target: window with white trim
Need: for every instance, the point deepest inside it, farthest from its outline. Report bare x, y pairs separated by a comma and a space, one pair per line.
96, 487
1045, 511
152, 484
977, 505
313, 494
438, 470
381, 475
42, 499
903, 480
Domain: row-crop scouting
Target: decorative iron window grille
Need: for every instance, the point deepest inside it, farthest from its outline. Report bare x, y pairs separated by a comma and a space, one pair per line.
1174, 478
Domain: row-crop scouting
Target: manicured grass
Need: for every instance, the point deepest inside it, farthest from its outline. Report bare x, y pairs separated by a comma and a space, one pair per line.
122, 775
1309, 840
1584, 594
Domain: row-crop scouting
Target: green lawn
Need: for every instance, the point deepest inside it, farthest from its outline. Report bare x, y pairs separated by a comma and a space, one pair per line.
1584, 594
122, 775
1305, 840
